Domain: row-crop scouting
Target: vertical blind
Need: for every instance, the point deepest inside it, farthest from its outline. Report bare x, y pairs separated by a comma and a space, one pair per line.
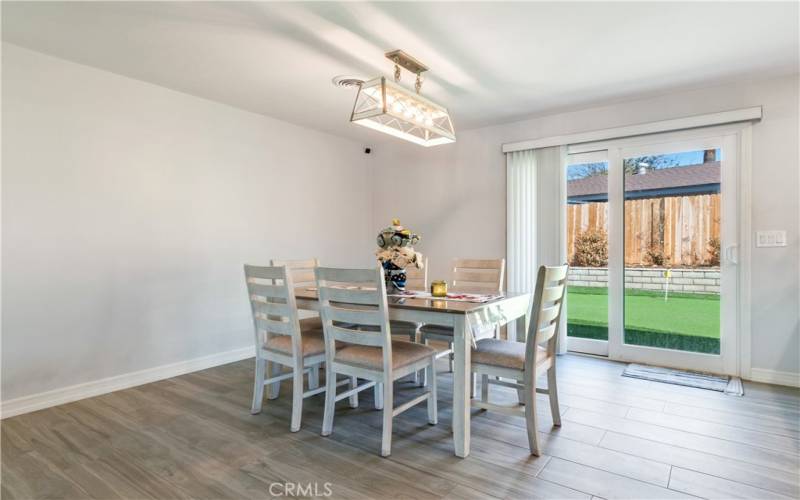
521, 221
535, 217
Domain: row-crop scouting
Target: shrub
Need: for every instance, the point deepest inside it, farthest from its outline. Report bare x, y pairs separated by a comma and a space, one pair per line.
655, 257
713, 250
591, 249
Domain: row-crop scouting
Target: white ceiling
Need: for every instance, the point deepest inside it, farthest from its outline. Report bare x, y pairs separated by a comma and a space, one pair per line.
491, 62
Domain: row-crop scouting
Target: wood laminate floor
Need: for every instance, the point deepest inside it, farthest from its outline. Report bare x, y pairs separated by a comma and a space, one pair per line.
193, 437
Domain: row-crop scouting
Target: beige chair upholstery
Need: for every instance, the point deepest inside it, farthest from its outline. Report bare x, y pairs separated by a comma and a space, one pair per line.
524, 362
403, 353
312, 343
503, 353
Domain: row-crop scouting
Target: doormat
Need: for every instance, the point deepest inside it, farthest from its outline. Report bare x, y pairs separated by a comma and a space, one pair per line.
719, 383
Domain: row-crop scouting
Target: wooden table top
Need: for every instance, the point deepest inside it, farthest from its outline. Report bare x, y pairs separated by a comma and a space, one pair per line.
432, 305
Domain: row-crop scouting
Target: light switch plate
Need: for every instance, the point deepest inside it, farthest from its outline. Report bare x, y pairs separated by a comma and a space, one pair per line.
767, 239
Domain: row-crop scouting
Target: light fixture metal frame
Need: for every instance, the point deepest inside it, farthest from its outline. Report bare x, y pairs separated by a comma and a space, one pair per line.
372, 110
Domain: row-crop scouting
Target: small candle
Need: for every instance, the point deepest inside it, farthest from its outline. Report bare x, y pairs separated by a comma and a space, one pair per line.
439, 288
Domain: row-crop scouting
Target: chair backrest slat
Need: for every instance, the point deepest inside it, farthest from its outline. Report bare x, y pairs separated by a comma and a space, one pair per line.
359, 337
272, 309
547, 314
268, 291
348, 294
417, 279
274, 326
478, 275
302, 270
352, 315
357, 298
552, 293
548, 301
273, 306
546, 333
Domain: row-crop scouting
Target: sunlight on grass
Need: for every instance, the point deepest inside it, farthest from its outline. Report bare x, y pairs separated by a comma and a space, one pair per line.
683, 314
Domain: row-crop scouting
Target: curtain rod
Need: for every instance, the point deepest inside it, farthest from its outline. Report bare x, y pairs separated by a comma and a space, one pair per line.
706, 120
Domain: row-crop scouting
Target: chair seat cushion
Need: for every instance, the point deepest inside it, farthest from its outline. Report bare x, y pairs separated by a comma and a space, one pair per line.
312, 343
313, 340
403, 353
504, 353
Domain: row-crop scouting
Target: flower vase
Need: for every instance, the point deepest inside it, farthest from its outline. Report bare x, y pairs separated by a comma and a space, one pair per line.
395, 277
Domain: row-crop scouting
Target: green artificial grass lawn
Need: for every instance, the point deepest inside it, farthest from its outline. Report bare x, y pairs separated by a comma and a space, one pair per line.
695, 315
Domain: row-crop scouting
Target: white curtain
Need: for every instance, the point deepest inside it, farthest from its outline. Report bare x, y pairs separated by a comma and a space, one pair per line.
535, 217
521, 209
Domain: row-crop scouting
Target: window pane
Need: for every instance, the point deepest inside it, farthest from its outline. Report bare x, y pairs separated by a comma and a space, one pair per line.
587, 250
672, 251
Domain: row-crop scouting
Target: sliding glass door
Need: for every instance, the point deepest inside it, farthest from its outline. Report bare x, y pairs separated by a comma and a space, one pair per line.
587, 252
652, 242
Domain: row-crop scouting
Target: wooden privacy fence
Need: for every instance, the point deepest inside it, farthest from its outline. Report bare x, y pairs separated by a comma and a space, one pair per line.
679, 227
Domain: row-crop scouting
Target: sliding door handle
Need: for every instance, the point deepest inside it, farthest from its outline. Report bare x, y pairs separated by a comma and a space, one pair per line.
732, 254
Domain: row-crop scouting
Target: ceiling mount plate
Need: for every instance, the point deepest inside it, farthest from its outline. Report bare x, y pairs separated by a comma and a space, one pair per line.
406, 61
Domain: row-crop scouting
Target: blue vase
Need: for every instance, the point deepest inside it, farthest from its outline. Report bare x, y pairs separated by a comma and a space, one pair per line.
395, 277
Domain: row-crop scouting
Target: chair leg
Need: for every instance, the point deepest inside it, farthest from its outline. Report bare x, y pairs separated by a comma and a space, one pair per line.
258, 386
485, 388
451, 358
354, 397
313, 376
412, 337
330, 402
552, 391
424, 340
433, 411
378, 388
473, 384
530, 419
388, 406
274, 369
297, 399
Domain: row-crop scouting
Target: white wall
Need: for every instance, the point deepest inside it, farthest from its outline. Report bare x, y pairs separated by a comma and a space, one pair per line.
128, 211
454, 195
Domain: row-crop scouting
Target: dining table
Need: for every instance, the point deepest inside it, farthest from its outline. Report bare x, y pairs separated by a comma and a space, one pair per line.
467, 319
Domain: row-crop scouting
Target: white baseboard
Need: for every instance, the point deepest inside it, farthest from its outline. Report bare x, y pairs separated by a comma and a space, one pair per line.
64, 395
774, 377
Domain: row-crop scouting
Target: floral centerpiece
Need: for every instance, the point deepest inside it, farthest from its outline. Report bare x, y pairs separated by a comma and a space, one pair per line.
396, 253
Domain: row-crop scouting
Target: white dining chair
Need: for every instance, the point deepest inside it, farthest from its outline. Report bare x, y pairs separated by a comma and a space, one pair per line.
468, 275
367, 351
302, 271
525, 361
281, 339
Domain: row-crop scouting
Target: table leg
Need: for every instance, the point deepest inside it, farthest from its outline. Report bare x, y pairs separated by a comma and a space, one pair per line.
462, 348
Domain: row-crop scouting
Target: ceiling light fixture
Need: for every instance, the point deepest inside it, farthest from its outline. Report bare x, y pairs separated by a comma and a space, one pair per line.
389, 108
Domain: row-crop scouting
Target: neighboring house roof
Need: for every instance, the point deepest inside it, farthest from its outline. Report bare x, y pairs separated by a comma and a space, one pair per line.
673, 181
